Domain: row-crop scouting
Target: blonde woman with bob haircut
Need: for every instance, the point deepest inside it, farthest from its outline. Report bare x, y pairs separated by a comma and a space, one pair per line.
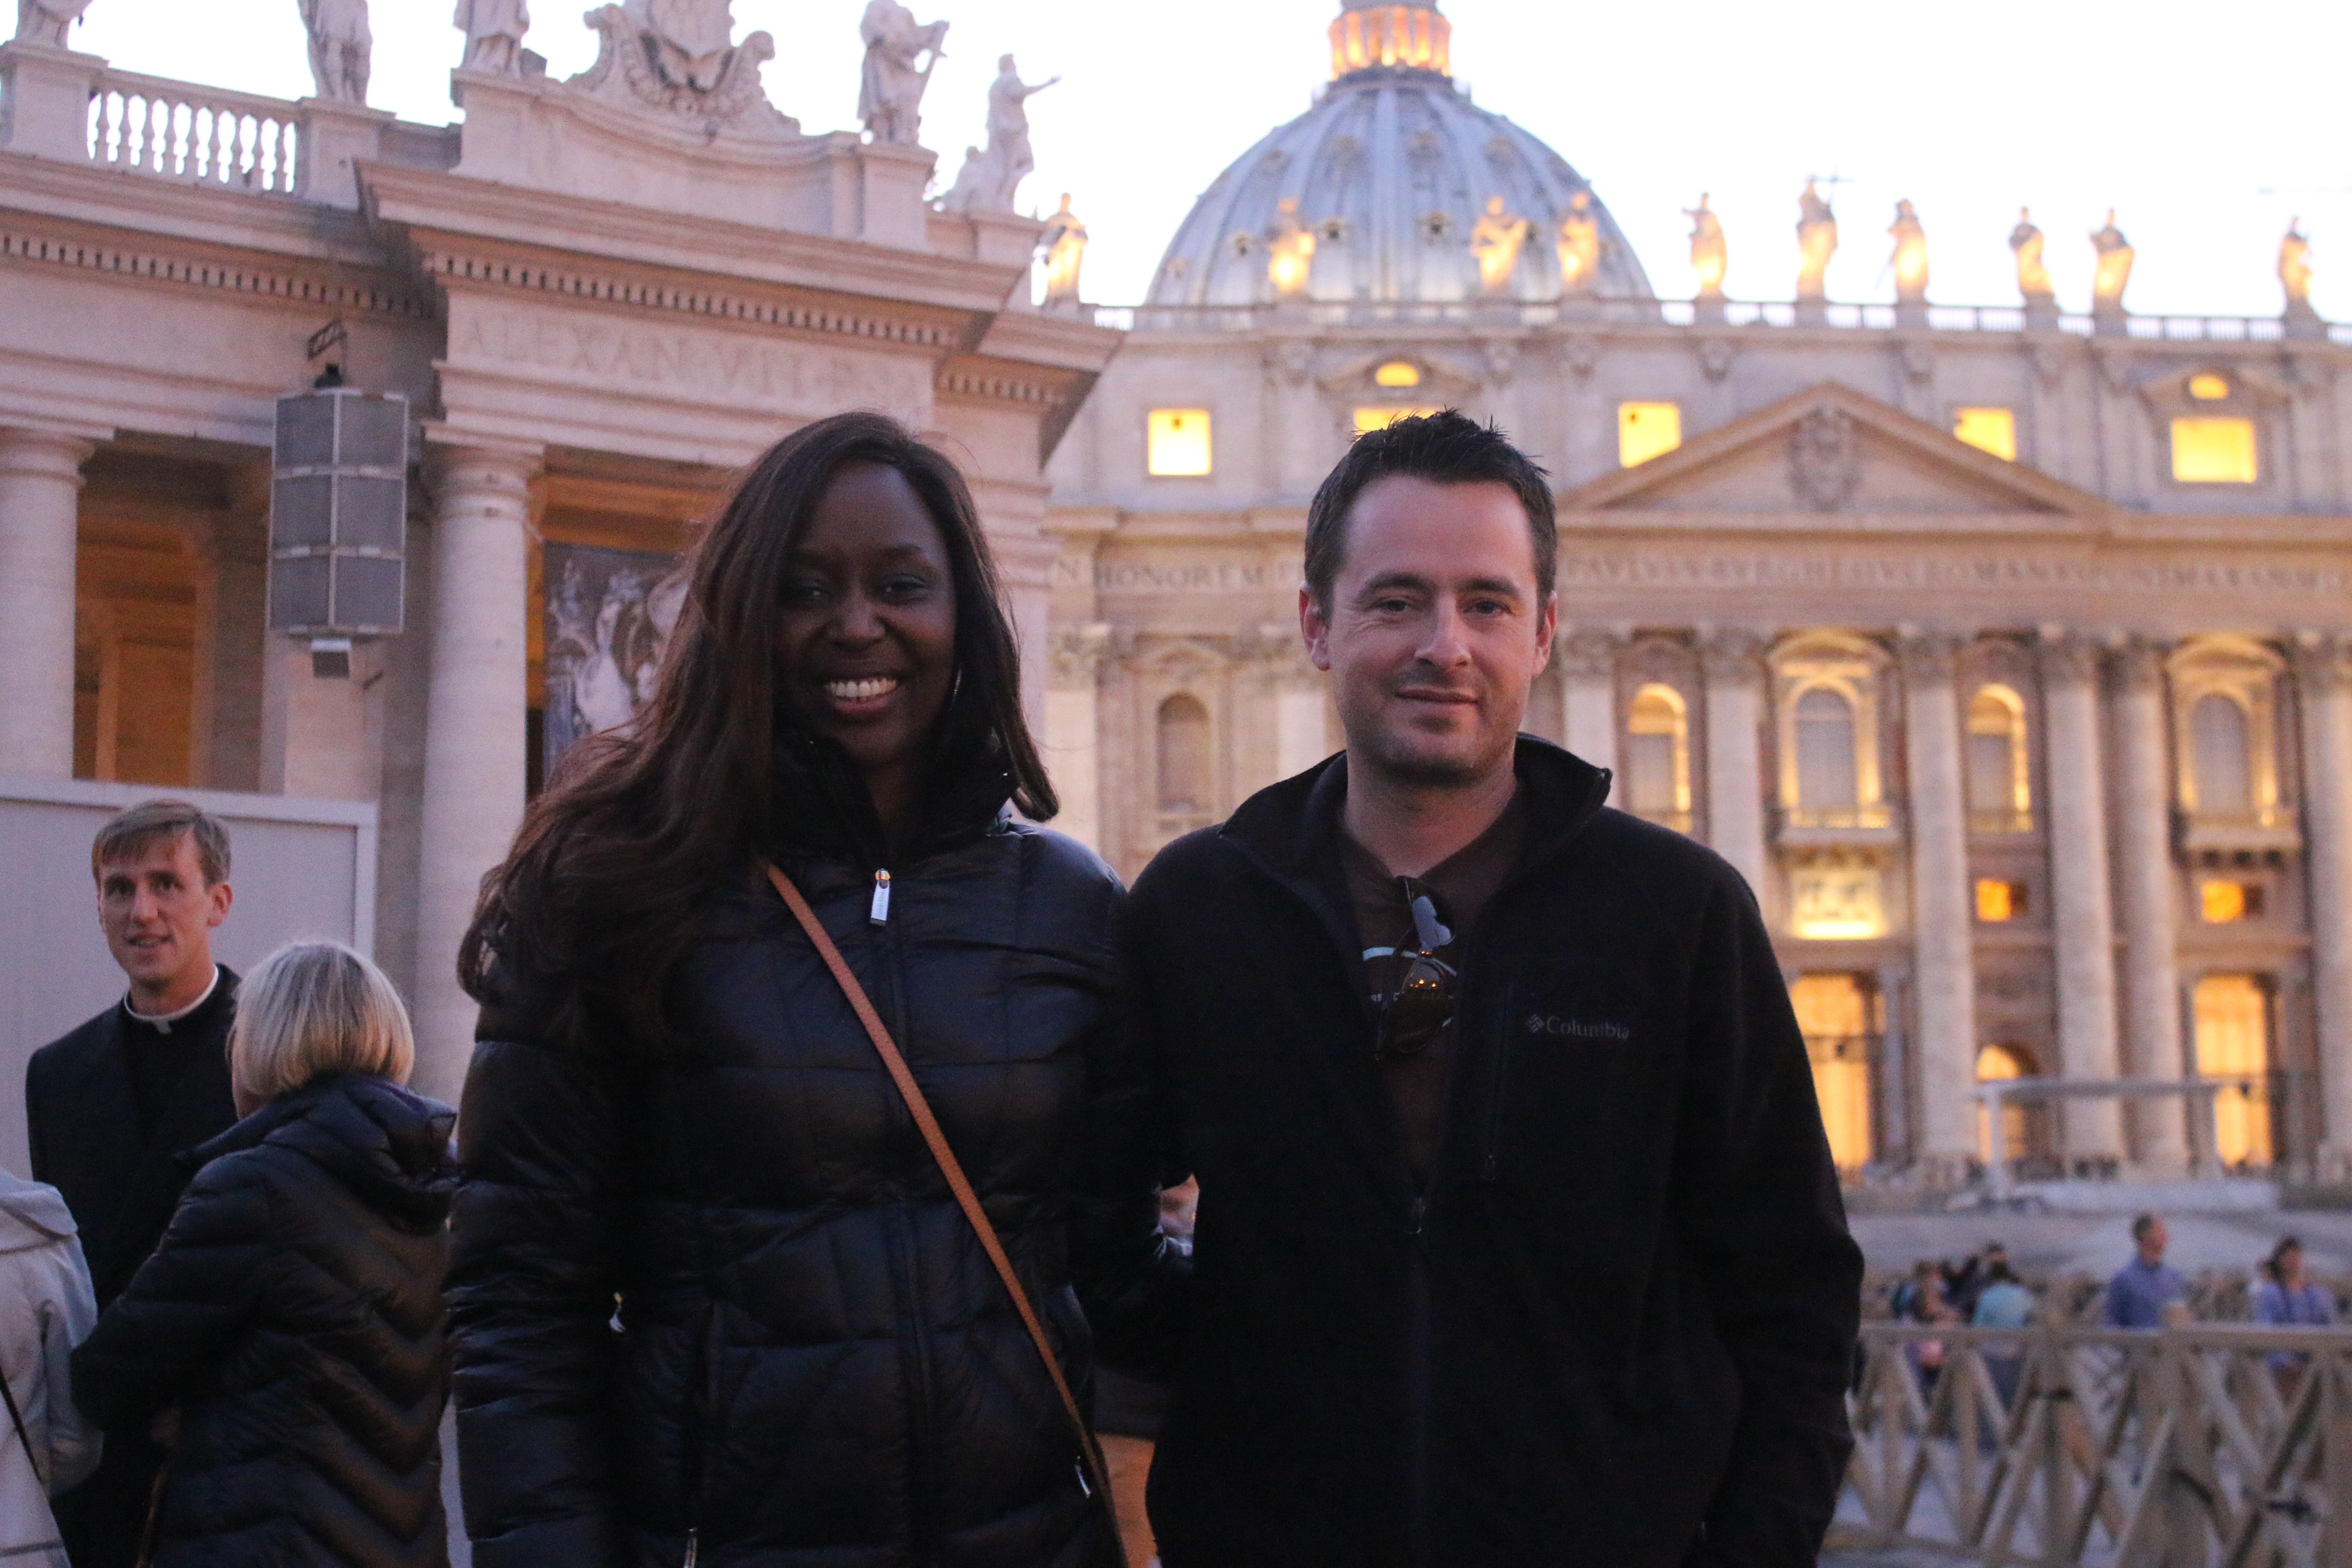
290, 1324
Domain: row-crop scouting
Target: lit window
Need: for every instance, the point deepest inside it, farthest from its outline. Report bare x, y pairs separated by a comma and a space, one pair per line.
1998, 901
2221, 753
1178, 441
1371, 419
2232, 1022
2208, 387
1647, 430
1827, 778
1836, 902
1397, 373
1657, 759
1990, 430
1999, 794
1839, 1015
2210, 451
1999, 1064
2226, 903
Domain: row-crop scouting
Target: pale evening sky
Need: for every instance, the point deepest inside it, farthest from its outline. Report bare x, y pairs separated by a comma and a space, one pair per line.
2207, 126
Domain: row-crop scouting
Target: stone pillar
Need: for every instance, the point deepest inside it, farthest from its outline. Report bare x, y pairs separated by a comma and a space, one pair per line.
1732, 660
2145, 877
232, 632
2082, 902
1024, 576
45, 99
40, 500
2325, 687
474, 728
1588, 668
1941, 938
1073, 737
318, 737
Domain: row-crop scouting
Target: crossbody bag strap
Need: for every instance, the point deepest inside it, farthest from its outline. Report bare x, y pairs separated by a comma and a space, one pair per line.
1089, 1453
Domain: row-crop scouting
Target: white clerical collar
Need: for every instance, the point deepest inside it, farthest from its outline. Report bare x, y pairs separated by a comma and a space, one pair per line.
162, 1021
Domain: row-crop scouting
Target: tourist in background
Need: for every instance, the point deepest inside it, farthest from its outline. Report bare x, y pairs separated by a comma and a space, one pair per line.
2002, 1303
289, 1327
674, 1107
2286, 1297
46, 1310
2145, 1292
112, 1108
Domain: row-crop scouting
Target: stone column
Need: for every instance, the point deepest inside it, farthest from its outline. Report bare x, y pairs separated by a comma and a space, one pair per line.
40, 500
1588, 668
2325, 687
1073, 737
2145, 877
1941, 939
1732, 660
474, 728
2082, 903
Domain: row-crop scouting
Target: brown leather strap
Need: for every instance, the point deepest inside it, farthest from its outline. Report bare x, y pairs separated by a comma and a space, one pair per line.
966, 1199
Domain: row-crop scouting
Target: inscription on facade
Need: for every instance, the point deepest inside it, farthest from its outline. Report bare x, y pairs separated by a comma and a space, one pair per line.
1179, 577
2005, 574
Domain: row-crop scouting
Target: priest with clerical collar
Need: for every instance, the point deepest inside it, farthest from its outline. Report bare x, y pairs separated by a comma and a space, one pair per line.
112, 1106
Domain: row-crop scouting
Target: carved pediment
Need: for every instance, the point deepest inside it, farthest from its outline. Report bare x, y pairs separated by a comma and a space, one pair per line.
1831, 451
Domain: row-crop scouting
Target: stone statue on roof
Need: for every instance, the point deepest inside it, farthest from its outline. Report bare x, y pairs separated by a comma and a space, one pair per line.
1579, 246
2115, 267
2294, 269
1495, 241
494, 32
989, 180
1064, 244
2032, 276
1817, 240
46, 22
340, 47
1910, 259
1710, 257
899, 53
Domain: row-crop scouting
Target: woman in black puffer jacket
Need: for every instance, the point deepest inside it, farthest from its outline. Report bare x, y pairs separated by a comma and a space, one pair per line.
672, 1106
289, 1323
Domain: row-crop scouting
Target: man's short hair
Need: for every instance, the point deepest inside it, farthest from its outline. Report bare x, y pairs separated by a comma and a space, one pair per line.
2142, 1225
132, 831
1447, 447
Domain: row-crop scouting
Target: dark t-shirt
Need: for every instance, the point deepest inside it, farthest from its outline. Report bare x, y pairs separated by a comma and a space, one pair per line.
1460, 886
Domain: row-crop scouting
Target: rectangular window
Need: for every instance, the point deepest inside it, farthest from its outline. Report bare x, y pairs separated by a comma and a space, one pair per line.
1990, 430
1371, 419
2213, 451
1998, 901
1178, 442
1647, 430
2226, 903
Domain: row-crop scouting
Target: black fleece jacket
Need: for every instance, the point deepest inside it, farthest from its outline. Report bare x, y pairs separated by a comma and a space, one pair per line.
1614, 1326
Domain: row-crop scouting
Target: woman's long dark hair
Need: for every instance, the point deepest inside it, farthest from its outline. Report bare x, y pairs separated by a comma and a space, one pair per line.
615, 863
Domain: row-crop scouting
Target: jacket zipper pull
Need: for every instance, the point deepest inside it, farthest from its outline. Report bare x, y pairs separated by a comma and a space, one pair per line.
1420, 1212
879, 913
693, 1546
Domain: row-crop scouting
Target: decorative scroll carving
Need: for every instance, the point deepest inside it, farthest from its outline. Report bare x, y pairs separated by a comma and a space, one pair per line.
1825, 458
673, 58
1077, 654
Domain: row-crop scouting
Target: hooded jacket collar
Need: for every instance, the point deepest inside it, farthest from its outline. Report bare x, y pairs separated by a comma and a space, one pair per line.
823, 811
389, 1146
39, 1213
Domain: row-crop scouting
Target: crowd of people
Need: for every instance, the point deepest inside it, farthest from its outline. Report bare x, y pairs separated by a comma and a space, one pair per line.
829, 1119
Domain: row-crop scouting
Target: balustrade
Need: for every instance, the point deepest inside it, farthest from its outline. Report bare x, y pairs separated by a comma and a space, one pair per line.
196, 135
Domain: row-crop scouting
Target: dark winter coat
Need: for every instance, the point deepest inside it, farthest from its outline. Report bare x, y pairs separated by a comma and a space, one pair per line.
813, 1363
1614, 1328
293, 1313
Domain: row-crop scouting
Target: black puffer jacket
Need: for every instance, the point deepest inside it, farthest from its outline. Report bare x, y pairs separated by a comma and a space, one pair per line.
813, 1361
293, 1312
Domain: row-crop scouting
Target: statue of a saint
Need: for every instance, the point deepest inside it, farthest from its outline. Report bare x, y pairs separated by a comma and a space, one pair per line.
1290, 250
1579, 246
1008, 129
46, 22
340, 47
2115, 269
494, 32
2294, 269
1064, 244
899, 53
1708, 256
1817, 239
2032, 276
1494, 240
1910, 261
975, 184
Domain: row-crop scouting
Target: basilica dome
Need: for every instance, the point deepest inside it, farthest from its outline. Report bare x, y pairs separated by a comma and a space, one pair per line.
1385, 192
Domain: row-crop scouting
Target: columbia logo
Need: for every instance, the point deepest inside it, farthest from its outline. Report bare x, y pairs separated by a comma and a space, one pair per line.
1575, 1028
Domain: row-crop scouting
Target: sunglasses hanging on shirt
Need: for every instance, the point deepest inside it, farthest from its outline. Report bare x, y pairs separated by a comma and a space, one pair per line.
1420, 1007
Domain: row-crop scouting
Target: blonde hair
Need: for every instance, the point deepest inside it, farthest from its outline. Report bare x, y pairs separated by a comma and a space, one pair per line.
313, 1008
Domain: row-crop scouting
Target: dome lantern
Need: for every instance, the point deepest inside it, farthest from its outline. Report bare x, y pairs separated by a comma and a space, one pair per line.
1368, 35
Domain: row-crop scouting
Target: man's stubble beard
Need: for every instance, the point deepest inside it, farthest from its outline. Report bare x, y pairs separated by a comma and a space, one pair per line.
1402, 765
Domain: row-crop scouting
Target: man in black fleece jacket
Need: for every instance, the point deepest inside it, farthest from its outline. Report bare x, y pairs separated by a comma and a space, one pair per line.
1519, 1241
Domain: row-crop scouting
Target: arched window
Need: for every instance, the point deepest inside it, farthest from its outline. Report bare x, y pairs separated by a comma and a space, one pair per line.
1185, 783
2024, 1133
2233, 1044
1839, 1015
2223, 772
1657, 757
1827, 779
1999, 795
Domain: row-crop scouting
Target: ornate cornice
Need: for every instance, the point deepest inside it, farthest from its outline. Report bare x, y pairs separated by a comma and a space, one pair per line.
2137, 663
1928, 657
609, 288
2068, 657
2322, 663
1078, 655
148, 264
1731, 654
1000, 388
1587, 651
